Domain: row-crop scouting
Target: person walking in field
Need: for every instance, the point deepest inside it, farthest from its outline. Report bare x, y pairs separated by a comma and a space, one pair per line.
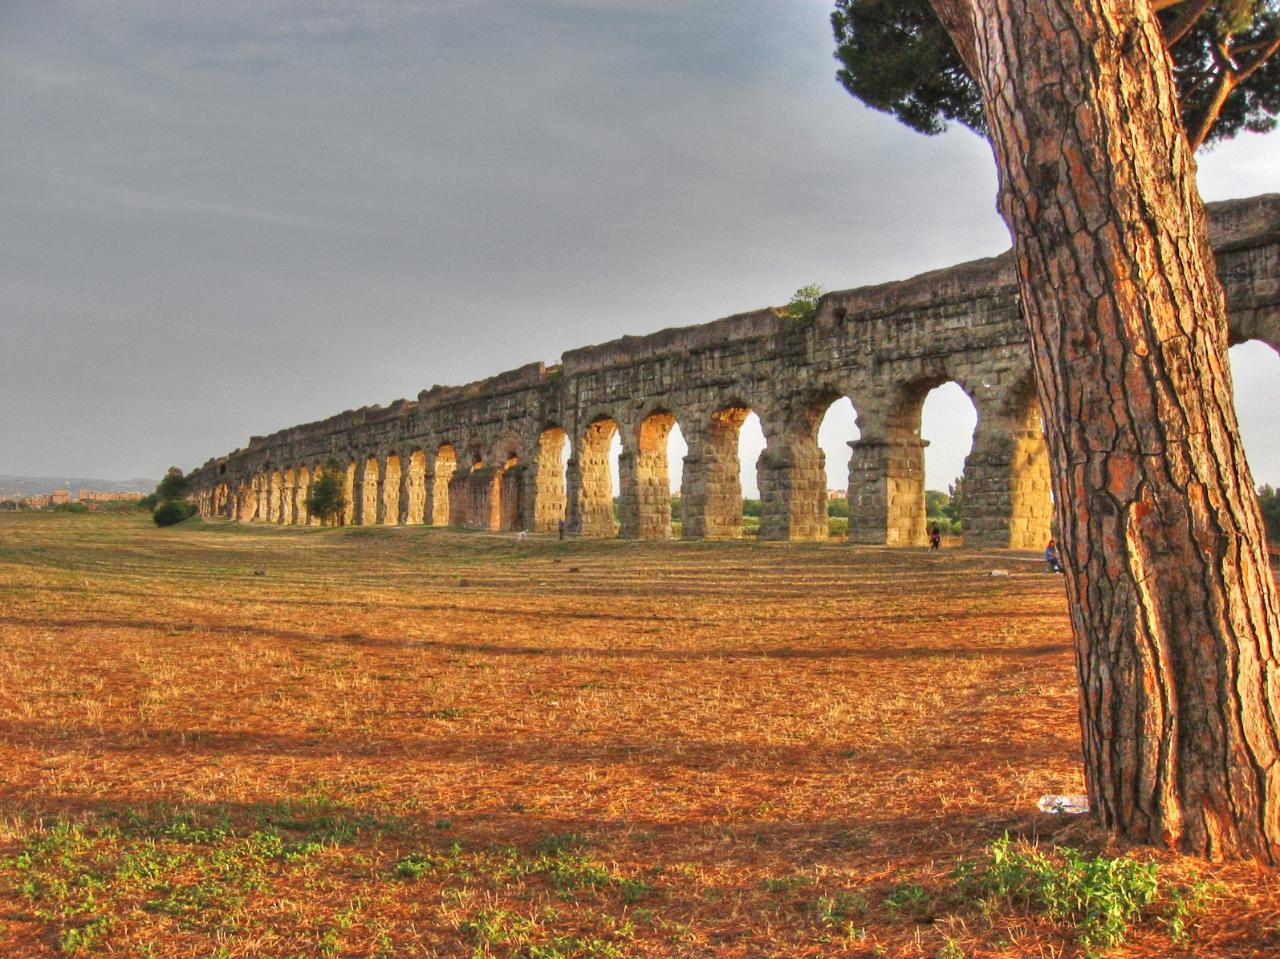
935, 537
562, 529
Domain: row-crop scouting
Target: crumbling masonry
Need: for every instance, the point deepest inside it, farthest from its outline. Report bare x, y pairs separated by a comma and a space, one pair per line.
489, 455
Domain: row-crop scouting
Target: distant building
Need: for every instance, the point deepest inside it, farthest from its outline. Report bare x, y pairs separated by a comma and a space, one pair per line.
96, 496
59, 497
837, 494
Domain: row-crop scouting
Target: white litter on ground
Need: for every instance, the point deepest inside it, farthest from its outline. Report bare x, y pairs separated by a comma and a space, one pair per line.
1064, 805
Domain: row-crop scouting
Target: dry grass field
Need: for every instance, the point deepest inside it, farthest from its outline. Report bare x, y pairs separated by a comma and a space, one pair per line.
415, 742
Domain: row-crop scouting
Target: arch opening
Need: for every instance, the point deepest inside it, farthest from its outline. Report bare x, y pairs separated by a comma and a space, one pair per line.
1255, 368
838, 436
948, 424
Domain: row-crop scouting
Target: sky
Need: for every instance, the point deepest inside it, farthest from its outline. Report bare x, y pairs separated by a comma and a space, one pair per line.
221, 219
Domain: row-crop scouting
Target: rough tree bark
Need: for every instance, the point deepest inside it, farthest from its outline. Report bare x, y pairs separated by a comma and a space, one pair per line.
1173, 604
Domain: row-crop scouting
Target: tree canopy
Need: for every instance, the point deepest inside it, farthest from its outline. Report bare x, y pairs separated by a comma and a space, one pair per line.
896, 56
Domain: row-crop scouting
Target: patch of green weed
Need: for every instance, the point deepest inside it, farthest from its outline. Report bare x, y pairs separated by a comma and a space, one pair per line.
1100, 898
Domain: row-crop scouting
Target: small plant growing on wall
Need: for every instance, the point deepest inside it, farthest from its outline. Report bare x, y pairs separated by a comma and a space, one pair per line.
804, 303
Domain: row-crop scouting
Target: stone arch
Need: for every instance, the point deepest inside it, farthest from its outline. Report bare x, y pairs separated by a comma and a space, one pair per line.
506, 493
389, 504
645, 500
791, 472
275, 484
1006, 497
369, 482
243, 501
444, 468
886, 478
550, 502
288, 495
594, 477
301, 516
469, 492
221, 497
712, 485
416, 488
349, 490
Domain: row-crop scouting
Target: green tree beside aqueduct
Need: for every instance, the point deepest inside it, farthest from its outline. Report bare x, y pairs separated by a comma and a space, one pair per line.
325, 498
1093, 109
168, 503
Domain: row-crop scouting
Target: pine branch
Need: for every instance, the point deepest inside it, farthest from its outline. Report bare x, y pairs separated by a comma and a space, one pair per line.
1181, 26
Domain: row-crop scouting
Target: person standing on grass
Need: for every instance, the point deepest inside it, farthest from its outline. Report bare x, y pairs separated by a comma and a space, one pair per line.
562, 529
935, 537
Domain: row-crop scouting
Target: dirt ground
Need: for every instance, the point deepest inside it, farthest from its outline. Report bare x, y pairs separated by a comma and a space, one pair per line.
220, 740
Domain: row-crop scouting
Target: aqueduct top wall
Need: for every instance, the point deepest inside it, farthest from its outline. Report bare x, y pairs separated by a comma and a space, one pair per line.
488, 454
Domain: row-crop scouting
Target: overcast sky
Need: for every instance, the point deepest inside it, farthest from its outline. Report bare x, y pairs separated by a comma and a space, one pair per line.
221, 219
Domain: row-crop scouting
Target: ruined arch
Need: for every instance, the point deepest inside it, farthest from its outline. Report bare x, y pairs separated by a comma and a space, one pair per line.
369, 479
645, 502
886, 476
1006, 498
791, 472
244, 501
349, 490
389, 505
446, 464
469, 492
275, 484
288, 495
416, 489
506, 493
595, 477
712, 484
301, 516
550, 502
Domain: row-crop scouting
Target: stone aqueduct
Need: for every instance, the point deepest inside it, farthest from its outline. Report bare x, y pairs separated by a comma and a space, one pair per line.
490, 455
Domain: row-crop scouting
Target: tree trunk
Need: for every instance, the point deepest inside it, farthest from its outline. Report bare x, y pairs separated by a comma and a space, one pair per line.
1172, 601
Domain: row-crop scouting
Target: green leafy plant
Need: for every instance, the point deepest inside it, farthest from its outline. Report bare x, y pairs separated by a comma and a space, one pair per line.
1100, 897
173, 511
803, 306
170, 499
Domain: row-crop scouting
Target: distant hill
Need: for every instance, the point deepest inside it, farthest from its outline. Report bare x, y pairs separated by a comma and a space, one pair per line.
35, 485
